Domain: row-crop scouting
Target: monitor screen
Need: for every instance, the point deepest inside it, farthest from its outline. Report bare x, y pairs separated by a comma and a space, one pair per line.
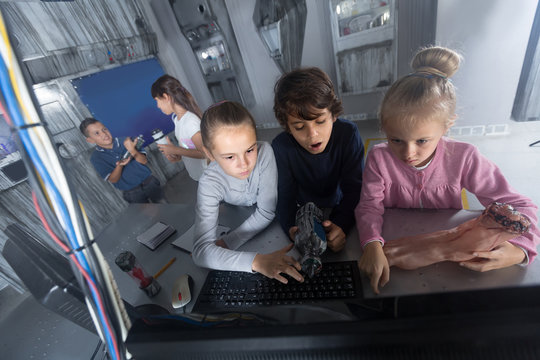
7, 140
12, 169
15, 171
120, 98
488, 324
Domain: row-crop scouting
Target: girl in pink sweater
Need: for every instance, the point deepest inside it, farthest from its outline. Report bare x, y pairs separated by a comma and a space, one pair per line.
419, 168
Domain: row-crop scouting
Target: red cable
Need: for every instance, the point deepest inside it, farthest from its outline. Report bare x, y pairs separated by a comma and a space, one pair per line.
6, 115
76, 262
65, 248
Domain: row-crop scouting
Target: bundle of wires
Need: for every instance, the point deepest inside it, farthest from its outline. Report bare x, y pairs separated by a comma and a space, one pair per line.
61, 213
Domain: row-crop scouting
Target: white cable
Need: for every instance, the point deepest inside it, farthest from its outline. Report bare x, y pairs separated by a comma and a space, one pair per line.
46, 152
42, 142
119, 309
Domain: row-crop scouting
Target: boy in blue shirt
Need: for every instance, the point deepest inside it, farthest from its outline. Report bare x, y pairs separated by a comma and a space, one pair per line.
319, 156
130, 175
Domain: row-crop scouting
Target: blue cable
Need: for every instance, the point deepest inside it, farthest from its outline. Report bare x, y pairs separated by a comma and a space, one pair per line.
25, 139
27, 142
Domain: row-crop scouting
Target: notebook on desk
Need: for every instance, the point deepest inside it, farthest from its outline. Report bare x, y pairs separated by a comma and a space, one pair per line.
156, 235
185, 241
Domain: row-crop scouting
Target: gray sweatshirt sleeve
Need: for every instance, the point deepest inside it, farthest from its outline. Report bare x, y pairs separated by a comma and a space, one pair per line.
205, 252
266, 200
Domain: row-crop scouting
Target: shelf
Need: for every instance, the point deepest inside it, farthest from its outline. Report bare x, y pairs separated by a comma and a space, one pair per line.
366, 91
365, 20
365, 46
364, 38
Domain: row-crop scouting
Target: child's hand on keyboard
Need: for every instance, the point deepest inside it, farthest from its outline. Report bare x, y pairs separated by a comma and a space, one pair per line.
274, 264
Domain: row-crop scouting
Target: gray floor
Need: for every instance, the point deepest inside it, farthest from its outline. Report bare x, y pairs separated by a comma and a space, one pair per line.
28, 331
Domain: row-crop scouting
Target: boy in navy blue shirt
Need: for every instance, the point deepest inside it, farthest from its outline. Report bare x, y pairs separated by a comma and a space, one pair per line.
319, 156
130, 175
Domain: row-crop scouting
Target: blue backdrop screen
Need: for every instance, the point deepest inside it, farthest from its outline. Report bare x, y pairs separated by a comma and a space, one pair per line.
120, 98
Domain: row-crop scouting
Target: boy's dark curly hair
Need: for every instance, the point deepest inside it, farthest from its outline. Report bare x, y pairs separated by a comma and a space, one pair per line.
304, 93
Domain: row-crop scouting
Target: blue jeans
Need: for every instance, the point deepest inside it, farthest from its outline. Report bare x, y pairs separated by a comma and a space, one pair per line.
148, 191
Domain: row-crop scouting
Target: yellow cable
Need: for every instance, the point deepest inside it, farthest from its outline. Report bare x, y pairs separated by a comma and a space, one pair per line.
10, 64
86, 222
29, 117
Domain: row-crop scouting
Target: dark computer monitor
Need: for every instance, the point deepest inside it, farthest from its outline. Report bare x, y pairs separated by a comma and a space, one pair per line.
15, 171
487, 324
50, 278
47, 275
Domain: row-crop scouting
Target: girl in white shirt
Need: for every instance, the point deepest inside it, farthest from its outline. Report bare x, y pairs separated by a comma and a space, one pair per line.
243, 172
172, 98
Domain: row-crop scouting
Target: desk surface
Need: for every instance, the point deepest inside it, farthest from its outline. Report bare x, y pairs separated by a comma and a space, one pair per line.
444, 276
121, 235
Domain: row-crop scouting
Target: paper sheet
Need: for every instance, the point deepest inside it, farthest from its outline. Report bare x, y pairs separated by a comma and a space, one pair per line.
185, 241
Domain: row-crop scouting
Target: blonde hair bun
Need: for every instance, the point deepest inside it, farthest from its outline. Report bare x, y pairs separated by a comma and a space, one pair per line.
436, 60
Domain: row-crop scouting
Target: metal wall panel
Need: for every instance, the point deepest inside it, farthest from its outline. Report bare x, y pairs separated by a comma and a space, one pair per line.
58, 41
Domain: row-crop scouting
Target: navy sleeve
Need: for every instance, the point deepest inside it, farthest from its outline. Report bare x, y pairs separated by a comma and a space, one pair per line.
102, 166
287, 187
350, 182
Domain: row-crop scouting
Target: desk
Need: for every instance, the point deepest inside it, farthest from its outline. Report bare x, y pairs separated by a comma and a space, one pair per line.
121, 235
444, 276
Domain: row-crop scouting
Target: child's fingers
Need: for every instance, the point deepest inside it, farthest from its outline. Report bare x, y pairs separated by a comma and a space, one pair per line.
292, 272
287, 248
280, 278
123, 162
385, 278
292, 232
336, 244
336, 238
221, 243
292, 261
479, 265
375, 278
336, 235
332, 233
485, 254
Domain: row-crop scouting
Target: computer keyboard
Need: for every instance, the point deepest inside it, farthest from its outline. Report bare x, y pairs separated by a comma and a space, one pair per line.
234, 290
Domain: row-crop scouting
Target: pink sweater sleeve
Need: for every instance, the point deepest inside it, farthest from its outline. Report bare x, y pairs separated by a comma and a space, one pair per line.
370, 209
485, 180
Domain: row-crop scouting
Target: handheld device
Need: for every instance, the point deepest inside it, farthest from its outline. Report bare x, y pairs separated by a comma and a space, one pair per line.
310, 239
159, 137
139, 142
